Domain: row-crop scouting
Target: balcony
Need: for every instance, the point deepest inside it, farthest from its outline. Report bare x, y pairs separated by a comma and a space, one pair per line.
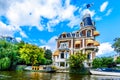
91, 47
63, 48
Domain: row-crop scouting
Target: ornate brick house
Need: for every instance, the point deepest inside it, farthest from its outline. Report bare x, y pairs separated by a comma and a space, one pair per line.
80, 40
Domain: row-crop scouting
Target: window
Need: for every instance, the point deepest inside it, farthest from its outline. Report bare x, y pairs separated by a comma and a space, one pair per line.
90, 44
77, 34
82, 33
64, 35
62, 64
88, 56
73, 34
88, 33
64, 45
67, 55
68, 35
77, 46
62, 55
66, 64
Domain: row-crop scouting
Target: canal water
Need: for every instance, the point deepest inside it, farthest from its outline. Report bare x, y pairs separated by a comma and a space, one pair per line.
12, 75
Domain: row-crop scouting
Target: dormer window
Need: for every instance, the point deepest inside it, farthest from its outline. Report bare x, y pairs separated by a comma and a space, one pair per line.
64, 35
88, 33
68, 35
73, 34
77, 34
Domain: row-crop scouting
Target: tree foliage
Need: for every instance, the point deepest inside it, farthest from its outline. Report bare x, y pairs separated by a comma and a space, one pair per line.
5, 63
116, 45
8, 55
76, 61
117, 60
48, 56
31, 54
102, 62
12, 54
97, 63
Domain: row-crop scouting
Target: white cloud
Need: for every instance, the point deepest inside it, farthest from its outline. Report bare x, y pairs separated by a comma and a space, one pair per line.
42, 41
105, 49
108, 12
97, 18
5, 4
7, 30
22, 33
87, 11
50, 44
103, 6
18, 39
30, 13
74, 21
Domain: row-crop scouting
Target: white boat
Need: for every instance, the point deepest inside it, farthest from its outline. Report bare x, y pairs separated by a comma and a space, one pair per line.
105, 71
102, 77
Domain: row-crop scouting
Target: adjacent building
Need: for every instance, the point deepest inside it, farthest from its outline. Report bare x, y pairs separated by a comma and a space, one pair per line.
68, 43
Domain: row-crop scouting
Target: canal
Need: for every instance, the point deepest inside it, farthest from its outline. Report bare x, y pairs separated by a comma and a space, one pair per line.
12, 75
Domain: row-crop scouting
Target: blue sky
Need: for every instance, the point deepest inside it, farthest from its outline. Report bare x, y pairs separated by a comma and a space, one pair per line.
41, 21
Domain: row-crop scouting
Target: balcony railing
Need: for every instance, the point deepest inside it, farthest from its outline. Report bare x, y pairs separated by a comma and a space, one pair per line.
90, 47
63, 48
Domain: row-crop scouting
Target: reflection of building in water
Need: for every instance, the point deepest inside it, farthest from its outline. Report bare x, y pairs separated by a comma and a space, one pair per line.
80, 40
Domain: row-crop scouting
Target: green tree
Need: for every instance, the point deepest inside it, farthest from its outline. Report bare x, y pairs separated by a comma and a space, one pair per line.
5, 63
76, 61
117, 60
32, 54
21, 44
116, 45
102, 62
48, 56
8, 54
97, 63
106, 61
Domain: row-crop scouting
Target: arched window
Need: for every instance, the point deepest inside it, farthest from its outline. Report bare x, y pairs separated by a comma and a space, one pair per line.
88, 56
83, 33
64, 35
88, 33
77, 34
62, 55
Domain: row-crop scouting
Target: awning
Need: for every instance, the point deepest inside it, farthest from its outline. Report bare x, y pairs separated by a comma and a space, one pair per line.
56, 53
77, 42
90, 41
96, 33
96, 43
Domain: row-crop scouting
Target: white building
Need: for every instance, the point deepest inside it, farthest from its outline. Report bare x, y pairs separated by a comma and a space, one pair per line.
80, 40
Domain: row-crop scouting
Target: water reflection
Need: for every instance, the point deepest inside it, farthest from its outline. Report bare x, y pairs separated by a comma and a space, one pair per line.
51, 76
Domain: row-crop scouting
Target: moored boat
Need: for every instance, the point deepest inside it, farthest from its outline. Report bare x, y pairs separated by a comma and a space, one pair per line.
105, 71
